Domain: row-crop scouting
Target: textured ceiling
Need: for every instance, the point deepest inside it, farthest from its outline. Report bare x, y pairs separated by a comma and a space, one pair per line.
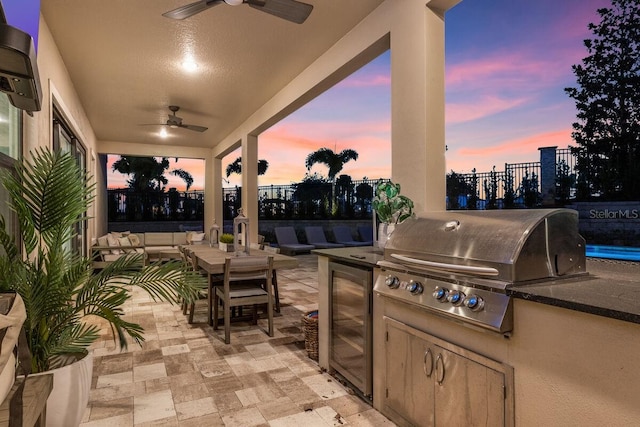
124, 60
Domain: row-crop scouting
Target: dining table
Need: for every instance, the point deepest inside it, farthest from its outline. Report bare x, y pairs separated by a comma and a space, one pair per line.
212, 260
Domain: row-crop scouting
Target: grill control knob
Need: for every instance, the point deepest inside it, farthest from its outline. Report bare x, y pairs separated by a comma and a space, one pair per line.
455, 297
392, 281
415, 288
440, 294
474, 303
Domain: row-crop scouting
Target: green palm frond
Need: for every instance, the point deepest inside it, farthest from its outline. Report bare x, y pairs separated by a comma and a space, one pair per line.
50, 195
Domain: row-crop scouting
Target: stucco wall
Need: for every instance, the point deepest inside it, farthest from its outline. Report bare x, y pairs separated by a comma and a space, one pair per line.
574, 368
57, 88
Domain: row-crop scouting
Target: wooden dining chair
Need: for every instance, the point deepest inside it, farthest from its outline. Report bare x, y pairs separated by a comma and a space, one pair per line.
276, 294
247, 281
189, 308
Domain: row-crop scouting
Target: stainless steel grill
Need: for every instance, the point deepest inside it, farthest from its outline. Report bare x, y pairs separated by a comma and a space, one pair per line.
460, 263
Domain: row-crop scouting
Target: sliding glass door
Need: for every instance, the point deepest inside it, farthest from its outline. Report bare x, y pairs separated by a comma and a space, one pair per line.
65, 140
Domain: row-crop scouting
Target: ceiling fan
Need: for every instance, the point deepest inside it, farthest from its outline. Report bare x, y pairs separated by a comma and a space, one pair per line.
291, 10
176, 122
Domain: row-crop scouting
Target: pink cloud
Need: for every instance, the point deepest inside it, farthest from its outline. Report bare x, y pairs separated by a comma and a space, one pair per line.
477, 109
517, 150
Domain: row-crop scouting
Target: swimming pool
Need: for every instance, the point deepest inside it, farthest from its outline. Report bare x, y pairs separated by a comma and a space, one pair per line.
625, 253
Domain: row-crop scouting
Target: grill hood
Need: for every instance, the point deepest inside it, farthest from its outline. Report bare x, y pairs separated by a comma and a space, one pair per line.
507, 245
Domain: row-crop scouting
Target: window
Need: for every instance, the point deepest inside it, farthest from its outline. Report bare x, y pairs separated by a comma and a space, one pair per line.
10, 152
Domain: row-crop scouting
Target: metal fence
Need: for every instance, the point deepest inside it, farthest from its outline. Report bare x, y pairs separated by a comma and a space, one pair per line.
129, 205
518, 185
344, 199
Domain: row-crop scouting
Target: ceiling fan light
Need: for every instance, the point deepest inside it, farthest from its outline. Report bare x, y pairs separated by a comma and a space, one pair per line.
234, 2
189, 65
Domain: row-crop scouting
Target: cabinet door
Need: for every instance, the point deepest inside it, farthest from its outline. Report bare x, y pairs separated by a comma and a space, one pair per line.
409, 376
466, 392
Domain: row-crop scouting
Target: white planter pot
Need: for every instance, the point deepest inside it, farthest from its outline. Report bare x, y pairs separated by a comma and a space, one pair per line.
384, 231
226, 247
70, 394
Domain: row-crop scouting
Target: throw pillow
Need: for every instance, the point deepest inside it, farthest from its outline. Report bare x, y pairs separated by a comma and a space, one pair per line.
124, 241
197, 237
102, 241
113, 242
134, 240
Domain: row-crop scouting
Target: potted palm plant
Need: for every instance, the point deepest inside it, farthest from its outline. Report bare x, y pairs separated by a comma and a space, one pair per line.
67, 303
391, 208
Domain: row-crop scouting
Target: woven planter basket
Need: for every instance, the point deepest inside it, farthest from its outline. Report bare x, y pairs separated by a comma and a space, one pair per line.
310, 329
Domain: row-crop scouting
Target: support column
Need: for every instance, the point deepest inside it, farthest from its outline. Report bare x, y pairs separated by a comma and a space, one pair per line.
212, 192
250, 182
417, 104
548, 175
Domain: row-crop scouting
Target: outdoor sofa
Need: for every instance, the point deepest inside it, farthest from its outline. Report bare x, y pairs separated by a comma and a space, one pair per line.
113, 245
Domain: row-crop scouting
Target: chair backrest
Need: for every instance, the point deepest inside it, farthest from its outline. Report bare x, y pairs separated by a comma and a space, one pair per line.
248, 268
365, 232
342, 233
315, 234
193, 261
286, 236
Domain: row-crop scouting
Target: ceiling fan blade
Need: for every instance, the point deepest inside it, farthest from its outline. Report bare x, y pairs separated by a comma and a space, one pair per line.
291, 10
194, 127
191, 9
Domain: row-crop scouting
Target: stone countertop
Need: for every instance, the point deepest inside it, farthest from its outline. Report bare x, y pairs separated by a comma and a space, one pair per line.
610, 289
366, 256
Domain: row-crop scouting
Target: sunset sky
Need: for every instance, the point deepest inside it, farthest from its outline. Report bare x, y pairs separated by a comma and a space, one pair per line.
507, 63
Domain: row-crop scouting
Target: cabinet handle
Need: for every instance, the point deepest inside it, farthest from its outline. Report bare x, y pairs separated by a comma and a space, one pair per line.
428, 366
439, 369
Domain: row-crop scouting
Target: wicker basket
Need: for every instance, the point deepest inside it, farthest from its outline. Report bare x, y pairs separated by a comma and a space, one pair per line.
310, 328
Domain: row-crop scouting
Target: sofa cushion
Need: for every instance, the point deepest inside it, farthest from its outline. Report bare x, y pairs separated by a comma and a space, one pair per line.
110, 257
158, 239
180, 238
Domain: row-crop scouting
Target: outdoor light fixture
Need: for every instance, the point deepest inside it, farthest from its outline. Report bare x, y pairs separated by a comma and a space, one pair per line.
241, 234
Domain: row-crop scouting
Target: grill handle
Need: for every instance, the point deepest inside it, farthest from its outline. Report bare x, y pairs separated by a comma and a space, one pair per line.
466, 269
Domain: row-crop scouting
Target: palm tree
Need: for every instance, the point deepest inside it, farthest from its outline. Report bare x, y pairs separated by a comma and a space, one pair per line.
236, 167
147, 173
334, 161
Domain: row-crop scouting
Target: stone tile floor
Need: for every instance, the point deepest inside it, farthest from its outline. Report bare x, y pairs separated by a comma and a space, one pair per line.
184, 375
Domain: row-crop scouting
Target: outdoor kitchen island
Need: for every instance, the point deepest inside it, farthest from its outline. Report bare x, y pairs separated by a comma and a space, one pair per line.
572, 353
